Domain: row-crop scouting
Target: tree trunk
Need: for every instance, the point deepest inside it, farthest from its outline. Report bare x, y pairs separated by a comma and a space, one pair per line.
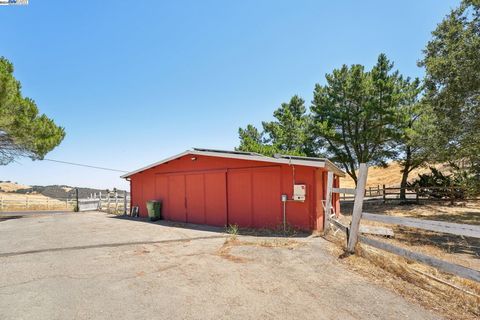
405, 172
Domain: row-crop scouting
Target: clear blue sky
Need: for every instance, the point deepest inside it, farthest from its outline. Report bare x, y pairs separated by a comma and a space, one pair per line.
133, 82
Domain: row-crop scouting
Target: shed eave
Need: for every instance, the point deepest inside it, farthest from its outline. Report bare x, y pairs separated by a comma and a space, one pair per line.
323, 163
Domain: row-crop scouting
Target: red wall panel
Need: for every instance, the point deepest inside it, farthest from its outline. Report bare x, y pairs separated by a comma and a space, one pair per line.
216, 199
266, 198
161, 193
176, 198
137, 193
195, 198
240, 197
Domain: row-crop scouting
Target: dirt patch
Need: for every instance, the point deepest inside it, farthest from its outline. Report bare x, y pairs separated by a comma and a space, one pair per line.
225, 250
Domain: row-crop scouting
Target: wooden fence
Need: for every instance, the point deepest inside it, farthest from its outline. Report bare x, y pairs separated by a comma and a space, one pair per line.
392, 194
112, 202
353, 231
29, 203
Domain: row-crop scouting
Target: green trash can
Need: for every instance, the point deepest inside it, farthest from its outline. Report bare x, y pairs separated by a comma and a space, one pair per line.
154, 208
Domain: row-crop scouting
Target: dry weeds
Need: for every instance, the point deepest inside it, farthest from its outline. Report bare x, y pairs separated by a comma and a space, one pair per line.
402, 277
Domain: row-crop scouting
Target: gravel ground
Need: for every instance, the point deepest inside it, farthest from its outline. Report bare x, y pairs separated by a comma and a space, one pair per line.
96, 266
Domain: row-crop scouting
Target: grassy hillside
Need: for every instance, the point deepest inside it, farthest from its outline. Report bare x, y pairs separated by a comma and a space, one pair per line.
390, 176
8, 186
12, 190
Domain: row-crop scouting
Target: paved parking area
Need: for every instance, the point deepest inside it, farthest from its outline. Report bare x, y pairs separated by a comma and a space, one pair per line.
96, 266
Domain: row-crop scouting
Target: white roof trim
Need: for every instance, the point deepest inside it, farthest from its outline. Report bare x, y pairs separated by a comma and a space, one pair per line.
324, 163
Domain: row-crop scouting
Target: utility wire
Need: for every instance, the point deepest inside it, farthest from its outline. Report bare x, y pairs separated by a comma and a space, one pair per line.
84, 165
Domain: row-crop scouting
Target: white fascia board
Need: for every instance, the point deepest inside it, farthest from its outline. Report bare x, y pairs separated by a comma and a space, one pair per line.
155, 164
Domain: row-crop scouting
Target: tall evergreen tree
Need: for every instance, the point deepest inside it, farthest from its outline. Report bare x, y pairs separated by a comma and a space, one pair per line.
288, 133
23, 131
452, 65
415, 129
356, 114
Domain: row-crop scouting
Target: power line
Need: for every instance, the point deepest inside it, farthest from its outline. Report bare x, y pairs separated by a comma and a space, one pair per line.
84, 165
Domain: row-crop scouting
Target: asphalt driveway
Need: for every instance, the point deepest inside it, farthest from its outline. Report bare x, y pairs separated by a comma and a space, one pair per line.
95, 266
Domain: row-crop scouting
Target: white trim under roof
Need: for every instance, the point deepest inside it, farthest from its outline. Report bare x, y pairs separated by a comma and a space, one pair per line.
313, 162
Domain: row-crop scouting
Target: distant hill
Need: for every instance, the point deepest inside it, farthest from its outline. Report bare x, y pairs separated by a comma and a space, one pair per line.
52, 191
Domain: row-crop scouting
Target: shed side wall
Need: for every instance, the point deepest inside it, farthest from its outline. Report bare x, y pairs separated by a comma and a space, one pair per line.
168, 182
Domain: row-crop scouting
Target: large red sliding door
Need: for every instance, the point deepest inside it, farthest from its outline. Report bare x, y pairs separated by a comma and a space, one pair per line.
254, 197
199, 198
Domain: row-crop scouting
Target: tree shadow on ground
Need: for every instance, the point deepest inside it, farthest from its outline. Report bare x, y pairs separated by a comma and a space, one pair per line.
448, 243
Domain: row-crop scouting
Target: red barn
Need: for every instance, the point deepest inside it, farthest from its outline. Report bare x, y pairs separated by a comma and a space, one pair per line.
220, 188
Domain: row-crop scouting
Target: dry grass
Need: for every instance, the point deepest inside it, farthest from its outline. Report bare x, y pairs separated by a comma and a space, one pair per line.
403, 277
389, 176
18, 202
19, 196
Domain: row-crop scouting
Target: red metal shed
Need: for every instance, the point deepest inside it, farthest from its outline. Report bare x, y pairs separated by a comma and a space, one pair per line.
220, 188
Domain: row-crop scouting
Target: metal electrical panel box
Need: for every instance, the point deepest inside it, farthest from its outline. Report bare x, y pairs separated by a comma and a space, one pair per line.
299, 192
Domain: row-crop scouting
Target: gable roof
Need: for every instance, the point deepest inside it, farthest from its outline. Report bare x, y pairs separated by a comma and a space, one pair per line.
252, 156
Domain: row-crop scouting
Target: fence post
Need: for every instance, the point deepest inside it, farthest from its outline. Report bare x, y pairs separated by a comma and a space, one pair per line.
100, 201
452, 196
357, 208
47, 203
108, 202
417, 199
384, 195
76, 200
116, 202
328, 201
26, 201
125, 203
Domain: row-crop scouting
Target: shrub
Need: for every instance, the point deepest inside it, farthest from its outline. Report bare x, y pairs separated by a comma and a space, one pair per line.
438, 185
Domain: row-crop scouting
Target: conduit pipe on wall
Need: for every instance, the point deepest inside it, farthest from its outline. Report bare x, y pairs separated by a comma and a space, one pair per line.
285, 199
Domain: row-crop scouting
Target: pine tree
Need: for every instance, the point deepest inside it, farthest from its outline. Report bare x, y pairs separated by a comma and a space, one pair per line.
23, 131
